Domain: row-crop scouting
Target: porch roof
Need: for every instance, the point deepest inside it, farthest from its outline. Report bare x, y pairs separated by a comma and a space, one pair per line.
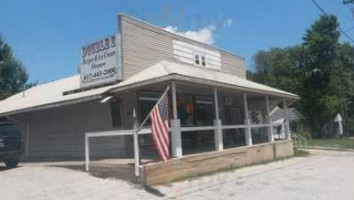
168, 71
52, 94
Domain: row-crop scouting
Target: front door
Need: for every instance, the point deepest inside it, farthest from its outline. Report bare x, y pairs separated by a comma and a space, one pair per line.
233, 137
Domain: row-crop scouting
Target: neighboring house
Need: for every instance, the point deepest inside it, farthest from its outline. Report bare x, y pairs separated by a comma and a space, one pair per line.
210, 100
277, 115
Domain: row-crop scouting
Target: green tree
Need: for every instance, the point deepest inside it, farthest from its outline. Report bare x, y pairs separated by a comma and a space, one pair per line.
13, 76
320, 70
278, 68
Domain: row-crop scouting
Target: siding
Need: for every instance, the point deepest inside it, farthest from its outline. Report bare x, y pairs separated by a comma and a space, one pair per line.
144, 45
58, 133
128, 103
232, 64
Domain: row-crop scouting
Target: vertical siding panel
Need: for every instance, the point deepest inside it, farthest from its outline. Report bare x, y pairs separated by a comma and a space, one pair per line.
144, 45
233, 64
59, 133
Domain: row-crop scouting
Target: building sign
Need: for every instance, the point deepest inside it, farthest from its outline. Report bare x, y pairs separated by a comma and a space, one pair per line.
100, 62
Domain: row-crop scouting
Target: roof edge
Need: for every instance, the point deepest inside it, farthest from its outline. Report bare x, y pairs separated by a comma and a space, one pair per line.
178, 77
52, 105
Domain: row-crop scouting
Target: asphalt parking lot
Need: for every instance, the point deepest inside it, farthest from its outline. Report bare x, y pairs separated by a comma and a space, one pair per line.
323, 175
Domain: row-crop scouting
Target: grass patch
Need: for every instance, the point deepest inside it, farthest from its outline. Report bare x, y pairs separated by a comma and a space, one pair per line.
335, 143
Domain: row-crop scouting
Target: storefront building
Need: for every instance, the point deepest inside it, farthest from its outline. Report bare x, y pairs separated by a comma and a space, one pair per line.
212, 105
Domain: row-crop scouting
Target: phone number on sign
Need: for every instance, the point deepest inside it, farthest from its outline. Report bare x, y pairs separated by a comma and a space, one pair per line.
99, 74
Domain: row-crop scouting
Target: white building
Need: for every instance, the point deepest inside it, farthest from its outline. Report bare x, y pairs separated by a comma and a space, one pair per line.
213, 105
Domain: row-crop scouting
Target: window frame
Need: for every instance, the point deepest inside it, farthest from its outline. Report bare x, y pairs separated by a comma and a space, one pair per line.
196, 59
205, 61
199, 58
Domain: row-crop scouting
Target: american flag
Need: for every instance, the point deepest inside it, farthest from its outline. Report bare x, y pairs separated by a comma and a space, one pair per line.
159, 127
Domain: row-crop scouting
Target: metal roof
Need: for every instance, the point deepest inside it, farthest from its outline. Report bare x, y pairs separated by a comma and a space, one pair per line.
52, 94
48, 95
277, 114
168, 70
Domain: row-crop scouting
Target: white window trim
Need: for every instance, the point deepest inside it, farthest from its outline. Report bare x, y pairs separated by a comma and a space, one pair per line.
195, 55
200, 55
205, 61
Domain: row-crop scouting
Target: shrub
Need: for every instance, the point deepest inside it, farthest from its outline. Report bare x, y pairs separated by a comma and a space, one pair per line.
349, 126
299, 127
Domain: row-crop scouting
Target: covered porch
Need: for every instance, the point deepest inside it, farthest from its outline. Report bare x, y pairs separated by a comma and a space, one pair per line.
210, 112
206, 118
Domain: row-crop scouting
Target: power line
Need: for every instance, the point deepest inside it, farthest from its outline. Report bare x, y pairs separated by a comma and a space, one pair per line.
325, 13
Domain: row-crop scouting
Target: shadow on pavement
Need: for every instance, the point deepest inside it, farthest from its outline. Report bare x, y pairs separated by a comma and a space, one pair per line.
123, 172
4, 168
154, 191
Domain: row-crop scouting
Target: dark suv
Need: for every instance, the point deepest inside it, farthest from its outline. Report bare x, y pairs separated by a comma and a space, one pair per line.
10, 144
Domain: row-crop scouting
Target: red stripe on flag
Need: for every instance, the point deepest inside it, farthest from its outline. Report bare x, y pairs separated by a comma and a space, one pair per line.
163, 126
160, 128
155, 140
159, 134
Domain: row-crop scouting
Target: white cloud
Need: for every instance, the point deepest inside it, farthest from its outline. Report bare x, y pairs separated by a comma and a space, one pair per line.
204, 35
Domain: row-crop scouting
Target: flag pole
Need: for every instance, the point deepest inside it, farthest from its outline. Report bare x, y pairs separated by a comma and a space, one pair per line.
136, 145
136, 135
147, 117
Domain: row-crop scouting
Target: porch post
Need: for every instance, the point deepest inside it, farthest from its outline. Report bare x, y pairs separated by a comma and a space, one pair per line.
136, 144
219, 146
175, 126
87, 152
286, 123
248, 133
270, 121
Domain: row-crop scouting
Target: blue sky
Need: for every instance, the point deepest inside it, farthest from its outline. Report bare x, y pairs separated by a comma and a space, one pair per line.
46, 35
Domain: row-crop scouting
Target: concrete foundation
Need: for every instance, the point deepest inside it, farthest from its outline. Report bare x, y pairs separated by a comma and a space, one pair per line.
204, 163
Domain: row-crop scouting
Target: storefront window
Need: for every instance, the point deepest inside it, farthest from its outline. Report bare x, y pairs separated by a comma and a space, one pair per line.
192, 110
185, 110
204, 111
147, 100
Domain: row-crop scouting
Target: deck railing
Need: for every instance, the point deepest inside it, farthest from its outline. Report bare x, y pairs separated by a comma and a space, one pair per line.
299, 140
143, 131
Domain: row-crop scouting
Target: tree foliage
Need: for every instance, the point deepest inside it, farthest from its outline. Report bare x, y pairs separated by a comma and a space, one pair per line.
320, 70
13, 76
